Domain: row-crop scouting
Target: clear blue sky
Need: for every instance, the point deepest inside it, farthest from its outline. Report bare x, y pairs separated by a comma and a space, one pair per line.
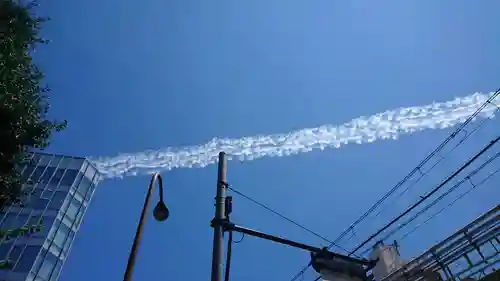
136, 75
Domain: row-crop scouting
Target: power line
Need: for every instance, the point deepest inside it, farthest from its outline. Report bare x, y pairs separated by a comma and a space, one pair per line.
473, 186
468, 134
406, 178
461, 196
426, 173
285, 218
433, 203
486, 148
422, 163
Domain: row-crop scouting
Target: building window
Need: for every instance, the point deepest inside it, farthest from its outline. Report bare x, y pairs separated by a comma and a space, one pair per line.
65, 204
35, 221
89, 194
55, 272
57, 200
73, 209
8, 220
48, 265
54, 249
35, 158
4, 249
77, 195
58, 175
16, 253
47, 192
69, 241
38, 262
65, 162
36, 201
90, 172
37, 173
28, 170
13, 231
84, 186
13, 221
84, 165
45, 160
27, 259
69, 177
46, 226
80, 216
76, 163
61, 235
47, 175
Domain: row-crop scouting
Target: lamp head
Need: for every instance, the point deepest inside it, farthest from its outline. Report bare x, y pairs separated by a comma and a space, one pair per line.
161, 211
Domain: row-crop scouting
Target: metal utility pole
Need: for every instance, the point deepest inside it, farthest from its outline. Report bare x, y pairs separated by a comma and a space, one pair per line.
218, 250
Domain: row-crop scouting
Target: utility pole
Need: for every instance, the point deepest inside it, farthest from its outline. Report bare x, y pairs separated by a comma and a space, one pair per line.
220, 216
322, 260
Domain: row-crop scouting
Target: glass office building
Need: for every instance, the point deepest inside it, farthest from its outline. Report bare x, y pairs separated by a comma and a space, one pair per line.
37, 233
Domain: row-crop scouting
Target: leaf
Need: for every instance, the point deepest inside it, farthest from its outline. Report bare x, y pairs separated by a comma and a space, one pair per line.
24, 102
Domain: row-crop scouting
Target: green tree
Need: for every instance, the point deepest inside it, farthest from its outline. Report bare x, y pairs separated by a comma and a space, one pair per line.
24, 125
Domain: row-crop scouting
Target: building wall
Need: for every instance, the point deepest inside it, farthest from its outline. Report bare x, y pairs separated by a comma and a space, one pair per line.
388, 260
60, 190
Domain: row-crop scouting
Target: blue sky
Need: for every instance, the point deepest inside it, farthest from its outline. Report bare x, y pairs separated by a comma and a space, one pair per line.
132, 75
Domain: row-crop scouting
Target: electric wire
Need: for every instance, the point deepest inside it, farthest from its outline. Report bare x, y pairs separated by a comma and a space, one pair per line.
284, 217
459, 197
419, 272
241, 239
433, 203
407, 177
432, 192
426, 173
472, 187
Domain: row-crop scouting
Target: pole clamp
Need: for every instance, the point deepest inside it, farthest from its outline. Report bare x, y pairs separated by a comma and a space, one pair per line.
221, 222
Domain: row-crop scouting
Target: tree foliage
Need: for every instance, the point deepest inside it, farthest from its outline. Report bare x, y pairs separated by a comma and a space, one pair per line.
24, 125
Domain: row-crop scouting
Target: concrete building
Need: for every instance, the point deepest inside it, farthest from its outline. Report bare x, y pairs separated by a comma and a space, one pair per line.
389, 260
36, 234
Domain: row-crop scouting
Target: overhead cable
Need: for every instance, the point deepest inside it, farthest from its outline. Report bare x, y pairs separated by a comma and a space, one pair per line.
468, 163
407, 177
462, 195
472, 187
468, 178
285, 218
426, 173
434, 215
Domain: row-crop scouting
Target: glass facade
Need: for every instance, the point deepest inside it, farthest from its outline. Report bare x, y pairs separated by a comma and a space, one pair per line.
36, 234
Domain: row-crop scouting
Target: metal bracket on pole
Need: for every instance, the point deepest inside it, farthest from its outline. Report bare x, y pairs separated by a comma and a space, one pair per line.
232, 227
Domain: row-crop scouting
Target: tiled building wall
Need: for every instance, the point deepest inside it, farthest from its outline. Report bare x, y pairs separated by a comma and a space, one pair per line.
61, 188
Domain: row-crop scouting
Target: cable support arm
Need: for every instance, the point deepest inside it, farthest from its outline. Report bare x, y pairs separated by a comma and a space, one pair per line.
230, 227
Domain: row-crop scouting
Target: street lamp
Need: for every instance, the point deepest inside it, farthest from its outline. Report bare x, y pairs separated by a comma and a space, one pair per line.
160, 213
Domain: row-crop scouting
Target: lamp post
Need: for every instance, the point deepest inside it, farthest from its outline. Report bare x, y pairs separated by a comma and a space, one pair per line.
160, 213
